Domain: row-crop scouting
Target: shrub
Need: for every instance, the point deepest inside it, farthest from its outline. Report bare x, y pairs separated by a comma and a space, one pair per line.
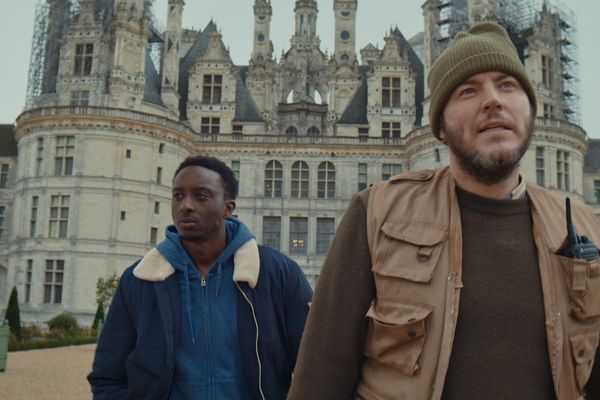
13, 315
31, 332
99, 317
63, 326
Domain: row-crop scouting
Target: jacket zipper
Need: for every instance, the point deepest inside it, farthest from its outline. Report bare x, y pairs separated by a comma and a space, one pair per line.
262, 395
203, 281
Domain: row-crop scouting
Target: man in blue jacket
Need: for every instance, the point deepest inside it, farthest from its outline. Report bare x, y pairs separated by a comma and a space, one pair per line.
207, 314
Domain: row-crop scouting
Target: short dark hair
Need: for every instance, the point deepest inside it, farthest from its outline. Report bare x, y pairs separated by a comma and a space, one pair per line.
230, 183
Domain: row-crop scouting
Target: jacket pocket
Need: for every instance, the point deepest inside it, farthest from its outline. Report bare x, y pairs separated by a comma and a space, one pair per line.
410, 250
583, 346
396, 334
583, 280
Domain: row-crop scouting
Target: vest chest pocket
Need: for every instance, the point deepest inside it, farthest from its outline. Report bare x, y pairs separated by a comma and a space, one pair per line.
396, 334
409, 250
583, 280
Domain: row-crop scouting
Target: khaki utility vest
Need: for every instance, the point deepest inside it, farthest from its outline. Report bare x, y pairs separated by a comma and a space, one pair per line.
415, 239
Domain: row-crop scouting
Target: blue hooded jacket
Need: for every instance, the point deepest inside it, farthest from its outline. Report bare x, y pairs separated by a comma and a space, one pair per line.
137, 350
208, 361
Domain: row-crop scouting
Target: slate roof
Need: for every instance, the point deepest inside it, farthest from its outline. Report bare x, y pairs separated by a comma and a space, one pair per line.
8, 144
153, 83
417, 67
245, 108
592, 158
356, 110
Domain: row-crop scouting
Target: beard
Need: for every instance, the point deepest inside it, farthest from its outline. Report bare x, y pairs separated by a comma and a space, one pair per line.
487, 168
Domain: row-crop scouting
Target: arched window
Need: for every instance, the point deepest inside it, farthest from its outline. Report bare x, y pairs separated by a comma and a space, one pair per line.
317, 97
291, 131
273, 179
290, 97
326, 180
313, 131
300, 180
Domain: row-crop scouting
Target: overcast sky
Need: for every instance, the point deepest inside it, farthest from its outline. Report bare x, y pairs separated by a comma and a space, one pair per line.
235, 19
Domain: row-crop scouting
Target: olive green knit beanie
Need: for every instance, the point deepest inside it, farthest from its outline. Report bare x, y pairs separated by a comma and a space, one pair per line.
484, 47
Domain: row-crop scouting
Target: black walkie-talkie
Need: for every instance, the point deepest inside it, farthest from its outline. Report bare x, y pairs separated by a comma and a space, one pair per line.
577, 246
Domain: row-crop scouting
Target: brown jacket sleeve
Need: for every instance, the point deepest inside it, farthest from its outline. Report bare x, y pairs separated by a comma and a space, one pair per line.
333, 343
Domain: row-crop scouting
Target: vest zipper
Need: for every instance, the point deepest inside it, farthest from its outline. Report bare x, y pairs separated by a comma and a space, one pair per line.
262, 395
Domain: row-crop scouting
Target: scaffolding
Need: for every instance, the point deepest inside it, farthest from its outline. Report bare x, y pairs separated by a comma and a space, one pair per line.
518, 17
51, 21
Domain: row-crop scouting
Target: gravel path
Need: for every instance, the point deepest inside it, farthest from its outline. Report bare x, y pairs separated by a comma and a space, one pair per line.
48, 374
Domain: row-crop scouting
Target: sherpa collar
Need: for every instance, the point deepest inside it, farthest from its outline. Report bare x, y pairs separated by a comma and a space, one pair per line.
154, 266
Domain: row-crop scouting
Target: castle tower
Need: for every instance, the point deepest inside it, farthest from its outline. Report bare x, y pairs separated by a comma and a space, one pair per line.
170, 69
131, 31
262, 49
345, 31
306, 22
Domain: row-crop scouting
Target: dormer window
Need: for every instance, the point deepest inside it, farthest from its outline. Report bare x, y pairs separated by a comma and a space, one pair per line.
390, 92
84, 55
211, 89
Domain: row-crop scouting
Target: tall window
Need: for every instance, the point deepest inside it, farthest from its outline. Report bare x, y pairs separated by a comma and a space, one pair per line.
362, 176
291, 131
563, 170
548, 110
80, 97
326, 181
363, 134
34, 216
539, 166
211, 89
437, 155
157, 207
39, 161
2, 208
84, 54
235, 168
300, 180
210, 125
597, 191
390, 92
271, 232
388, 170
390, 129
4, 176
298, 236
158, 175
313, 131
325, 229
28, 279
153, 235
273, 179
547, 72
53, 281
59, 216
65, 150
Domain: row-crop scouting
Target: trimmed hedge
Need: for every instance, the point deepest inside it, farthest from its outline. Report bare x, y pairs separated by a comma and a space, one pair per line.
49, 343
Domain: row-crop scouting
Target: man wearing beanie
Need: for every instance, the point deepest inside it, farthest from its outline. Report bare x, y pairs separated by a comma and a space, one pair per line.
452, 284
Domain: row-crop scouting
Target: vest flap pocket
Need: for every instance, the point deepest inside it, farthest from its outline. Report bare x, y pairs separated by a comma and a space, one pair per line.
419, 233
584, 350
396, 334
410, 250
583, 280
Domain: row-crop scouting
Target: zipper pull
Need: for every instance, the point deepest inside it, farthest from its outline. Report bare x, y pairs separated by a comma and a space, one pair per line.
203, 281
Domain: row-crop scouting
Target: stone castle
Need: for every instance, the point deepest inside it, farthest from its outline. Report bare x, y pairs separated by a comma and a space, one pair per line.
115, 103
